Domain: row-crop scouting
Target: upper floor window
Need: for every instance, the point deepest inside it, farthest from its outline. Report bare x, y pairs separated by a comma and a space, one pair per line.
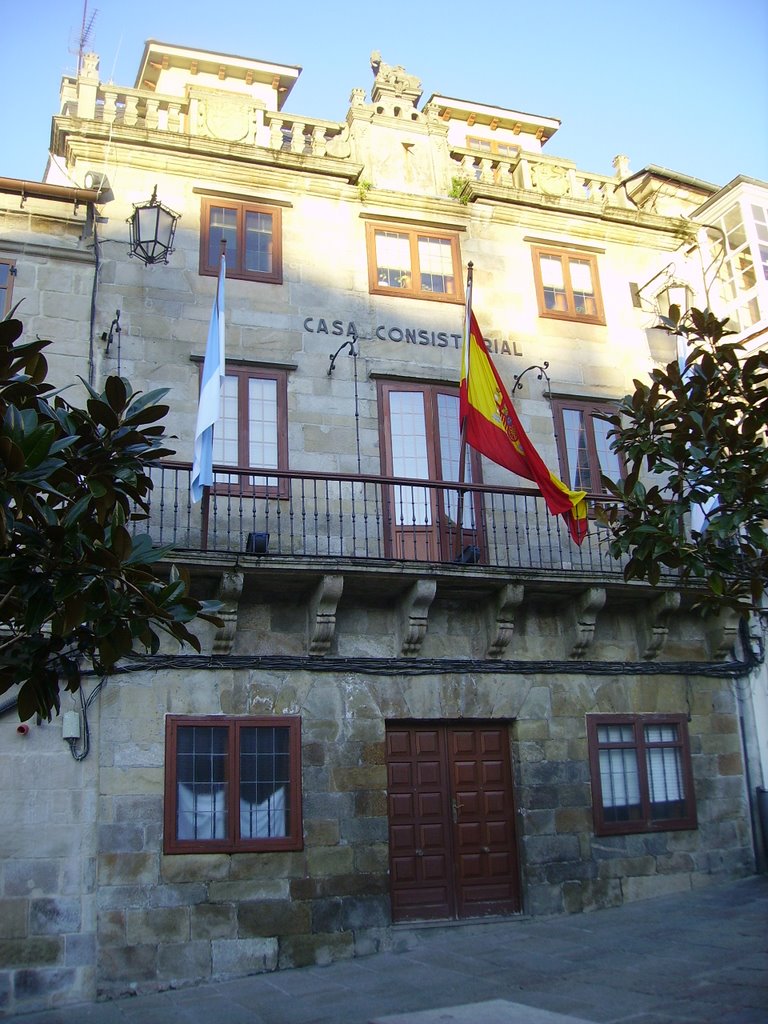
567, 285
419, 263
584, 447
253, 236
252, 429
492, 146
232, 784
7, 273
640, 767
743, 267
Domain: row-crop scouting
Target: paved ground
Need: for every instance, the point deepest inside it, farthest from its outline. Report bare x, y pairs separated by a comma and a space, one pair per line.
693, 958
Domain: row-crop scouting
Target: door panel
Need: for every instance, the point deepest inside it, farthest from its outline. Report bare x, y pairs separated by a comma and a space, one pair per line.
451, 822
419, 838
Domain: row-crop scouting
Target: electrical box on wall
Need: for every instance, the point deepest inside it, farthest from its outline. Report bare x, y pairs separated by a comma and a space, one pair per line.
70, 725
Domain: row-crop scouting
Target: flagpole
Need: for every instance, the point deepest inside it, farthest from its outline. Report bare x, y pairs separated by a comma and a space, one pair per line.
463, 424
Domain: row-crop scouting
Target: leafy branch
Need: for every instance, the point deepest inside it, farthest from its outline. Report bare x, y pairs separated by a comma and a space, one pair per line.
78, 587
694, 499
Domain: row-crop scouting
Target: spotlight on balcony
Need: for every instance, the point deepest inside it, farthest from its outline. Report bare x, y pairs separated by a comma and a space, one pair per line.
152, 227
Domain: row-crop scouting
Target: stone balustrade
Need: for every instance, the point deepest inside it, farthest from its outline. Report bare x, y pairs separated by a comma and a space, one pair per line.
310, 136
528, 172
548, 176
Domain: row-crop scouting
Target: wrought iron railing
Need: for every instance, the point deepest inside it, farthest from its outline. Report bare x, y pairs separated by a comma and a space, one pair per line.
345, 516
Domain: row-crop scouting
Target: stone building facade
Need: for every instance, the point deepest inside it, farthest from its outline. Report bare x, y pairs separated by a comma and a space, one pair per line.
417, 720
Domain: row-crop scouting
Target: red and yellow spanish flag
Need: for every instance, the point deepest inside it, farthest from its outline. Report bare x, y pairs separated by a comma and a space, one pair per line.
492, 428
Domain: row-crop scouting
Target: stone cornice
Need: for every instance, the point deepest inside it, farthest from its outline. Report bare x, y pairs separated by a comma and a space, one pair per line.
503, 199
68, 132
226, 174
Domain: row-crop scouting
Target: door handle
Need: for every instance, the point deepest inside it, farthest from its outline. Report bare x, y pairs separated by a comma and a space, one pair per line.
485, 849
419, 853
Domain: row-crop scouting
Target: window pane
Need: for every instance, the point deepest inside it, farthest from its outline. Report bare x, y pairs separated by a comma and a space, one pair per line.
615, 734
582, 287
745, 271
222, 225
664, 769
448, 420
436, 265
620, 784
609, 460
393, 259
258, 242
408, 433
553, 283
201, 771
574, 421
225, 432
264, 781
734, 228
4, 286
262, 422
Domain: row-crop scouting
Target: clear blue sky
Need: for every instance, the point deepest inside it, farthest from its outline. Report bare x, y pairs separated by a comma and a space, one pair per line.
678, 83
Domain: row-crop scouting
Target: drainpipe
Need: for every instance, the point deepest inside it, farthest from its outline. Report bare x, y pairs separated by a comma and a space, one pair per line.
42, 190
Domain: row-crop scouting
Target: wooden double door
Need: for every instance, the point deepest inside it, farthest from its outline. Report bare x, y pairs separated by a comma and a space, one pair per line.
452, 845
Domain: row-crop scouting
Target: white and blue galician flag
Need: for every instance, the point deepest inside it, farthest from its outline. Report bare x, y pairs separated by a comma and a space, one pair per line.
210, 394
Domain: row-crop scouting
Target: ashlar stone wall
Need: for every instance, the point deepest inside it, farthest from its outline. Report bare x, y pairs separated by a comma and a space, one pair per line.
168, 920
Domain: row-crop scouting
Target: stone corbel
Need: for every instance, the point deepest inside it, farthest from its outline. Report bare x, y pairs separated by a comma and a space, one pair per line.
502, 618
322, 613
414, 612
722, 633
230, 592
654, 626
585, 612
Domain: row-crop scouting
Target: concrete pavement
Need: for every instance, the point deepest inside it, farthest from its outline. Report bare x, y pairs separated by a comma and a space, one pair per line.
694, 957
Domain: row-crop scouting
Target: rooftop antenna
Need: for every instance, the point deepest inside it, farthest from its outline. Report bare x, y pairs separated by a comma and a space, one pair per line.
85, 32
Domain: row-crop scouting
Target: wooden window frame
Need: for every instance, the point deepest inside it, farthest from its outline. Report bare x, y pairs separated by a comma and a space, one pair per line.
414, 233
430, 390
570, 313
232, 843
494, 146
236, 255
638, 722
592, 410
244, 374
441, 527
5, 307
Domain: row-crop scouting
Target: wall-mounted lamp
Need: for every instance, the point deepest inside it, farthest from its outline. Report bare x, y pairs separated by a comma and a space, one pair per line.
152, 227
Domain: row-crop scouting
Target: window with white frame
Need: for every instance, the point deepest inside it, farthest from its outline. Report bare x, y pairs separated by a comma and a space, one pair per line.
741, 247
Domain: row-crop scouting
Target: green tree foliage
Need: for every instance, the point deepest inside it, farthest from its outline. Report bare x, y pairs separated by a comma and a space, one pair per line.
695, 438
78, 588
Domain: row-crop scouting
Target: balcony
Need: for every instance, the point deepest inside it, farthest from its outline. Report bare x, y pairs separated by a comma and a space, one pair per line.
291, 519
